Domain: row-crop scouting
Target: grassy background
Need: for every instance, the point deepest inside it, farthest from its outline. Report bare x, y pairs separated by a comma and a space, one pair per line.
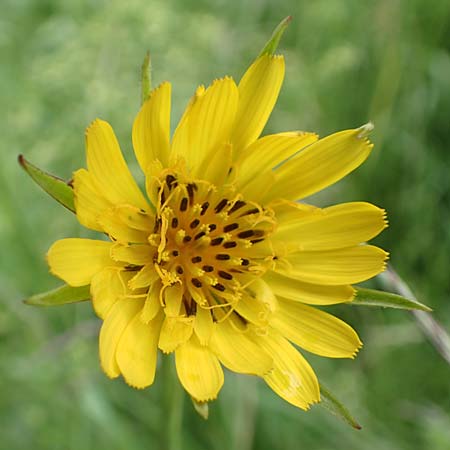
65, 63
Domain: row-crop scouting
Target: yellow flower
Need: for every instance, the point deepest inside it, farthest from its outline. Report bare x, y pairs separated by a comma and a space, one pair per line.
219, 263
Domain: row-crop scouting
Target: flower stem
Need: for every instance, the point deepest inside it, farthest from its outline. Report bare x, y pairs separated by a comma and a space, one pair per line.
173, 398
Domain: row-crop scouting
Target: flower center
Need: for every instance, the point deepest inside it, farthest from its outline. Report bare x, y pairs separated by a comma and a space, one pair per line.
210, 240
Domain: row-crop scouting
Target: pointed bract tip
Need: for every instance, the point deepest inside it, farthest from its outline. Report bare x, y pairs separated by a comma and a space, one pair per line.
21, 160
365, 130
272, 43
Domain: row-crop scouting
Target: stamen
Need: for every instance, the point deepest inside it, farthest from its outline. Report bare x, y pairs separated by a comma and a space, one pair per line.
190, 190
174, 222
221, 205
169, 180
223, 257
212, 227
250, 211
239, 204
225, 275
208, 268
245, 234
230, 227
245, 262
217, 241
179, 270
183, 204
230, 244
199, 235
196, 259
196, 282
195, 223
187, 239
219, 287
204, 207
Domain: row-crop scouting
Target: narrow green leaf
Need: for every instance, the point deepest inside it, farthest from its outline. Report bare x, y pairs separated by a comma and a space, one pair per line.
333, 405
54, 186
202, 409
60, 296
146, 78
372, 297
272, 43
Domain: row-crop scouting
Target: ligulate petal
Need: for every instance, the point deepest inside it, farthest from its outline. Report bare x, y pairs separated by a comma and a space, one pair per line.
76, 261
339, 226
106, 164
203, 325
139, 254
207, 124
152, 304
332, 267
134, 218
320, 165
270, 151
117, 319
315, 331
106, 288
145, 277
89, 200
151, 128
238, 351
119, 231
258, 93
137, 351
313, 294
217, 167
292, 378
199, 370
174, 332
258, 187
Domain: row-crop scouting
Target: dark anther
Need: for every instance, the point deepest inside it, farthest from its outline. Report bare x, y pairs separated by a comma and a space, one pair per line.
250, 211
225, 275
180, 270
246, 234
255, 241
195, 223
196, 282
187, 239
212, 227
223, 257
219, 287
221, 205
169, 180
175, 253
190, 190
239, 204
199, 235
157, 224
183, 204
196, 259
245, 262
163, 197
230, 227
174, 222
217, 241
208, 268
230, 244
204, 207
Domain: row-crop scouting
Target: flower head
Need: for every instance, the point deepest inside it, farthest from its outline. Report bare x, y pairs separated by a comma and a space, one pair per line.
219, 262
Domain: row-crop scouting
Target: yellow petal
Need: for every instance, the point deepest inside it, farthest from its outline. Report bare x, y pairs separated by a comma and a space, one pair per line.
119, 231
199, 370
106, 288
315, 331
152, 304
331, 267
174, 332
313, 294
117, 319
292, 378
76, 261
134, 218
259, 186
139, 254
105, 162
258, 93
173, 295
207, 124
339, 226
89, 200
137, 351
239, 352
151, 128
217, 167
319, 165
270, 151
145, 277
203, 325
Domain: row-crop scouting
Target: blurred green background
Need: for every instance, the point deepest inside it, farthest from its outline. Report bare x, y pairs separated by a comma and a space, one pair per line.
65, 63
